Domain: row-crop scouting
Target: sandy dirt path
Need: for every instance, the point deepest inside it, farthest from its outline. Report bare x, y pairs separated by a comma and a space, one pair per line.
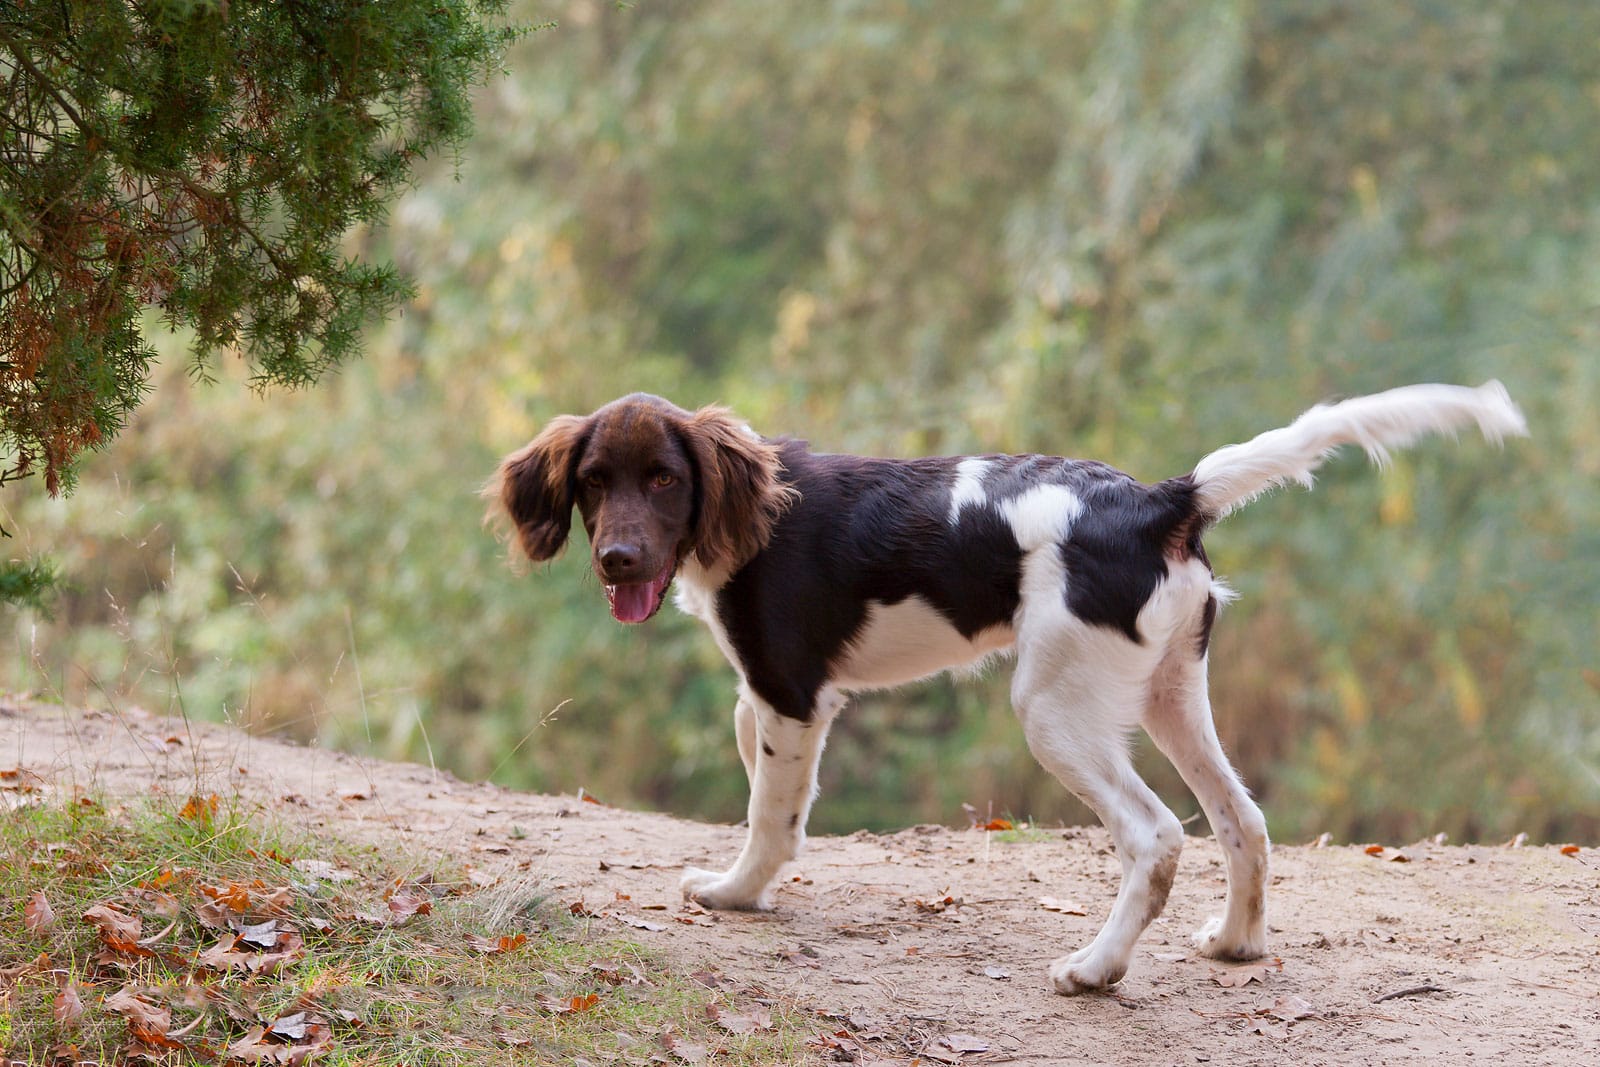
1455, 955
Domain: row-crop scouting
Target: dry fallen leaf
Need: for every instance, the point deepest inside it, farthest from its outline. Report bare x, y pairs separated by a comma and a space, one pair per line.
621, 972
233, 896
118, 929
322, 870
741, 1022
20, 780
37, 915
233, 952
291, 1040
200, 809
165, 905
1570, 850
68, 1006
491, 945
964, 1043
934, 907
1063, 906
802, 956
1374, 850
148, 1021
566, 1005
1239, 977
952, 1047
999, 974
405, 903
641, 924
1290, 1009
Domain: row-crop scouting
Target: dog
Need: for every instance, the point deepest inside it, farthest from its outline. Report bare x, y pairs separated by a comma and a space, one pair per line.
820, 575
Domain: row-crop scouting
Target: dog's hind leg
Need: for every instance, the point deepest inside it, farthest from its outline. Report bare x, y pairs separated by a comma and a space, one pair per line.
782, 785
1078, 693
1178, 719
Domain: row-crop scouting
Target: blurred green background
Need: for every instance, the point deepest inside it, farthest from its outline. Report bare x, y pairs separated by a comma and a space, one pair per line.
1132, 231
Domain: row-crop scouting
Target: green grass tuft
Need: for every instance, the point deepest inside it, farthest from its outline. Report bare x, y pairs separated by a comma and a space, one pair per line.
369, 961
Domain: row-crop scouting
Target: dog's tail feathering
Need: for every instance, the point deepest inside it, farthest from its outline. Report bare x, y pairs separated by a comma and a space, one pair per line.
1234, 475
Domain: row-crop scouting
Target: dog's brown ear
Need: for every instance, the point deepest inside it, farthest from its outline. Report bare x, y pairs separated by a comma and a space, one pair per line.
740, 491
535, 485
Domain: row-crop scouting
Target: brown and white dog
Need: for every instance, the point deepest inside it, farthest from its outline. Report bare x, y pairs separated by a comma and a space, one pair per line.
819, 575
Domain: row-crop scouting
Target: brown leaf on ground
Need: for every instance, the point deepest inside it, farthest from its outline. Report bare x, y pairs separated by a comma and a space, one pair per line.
934, 907
621, 972
402, 906
233, 896
565, 1005
67, 1008
20, 780
163, 904
952, 1048
118, 929
641, 924
740, 1022
258, 935
290, 1039
147, 1022
213, 914
681, 1050
1290, 1009
1239, 977
490, 946
1063, 906
10, 976
200, 809
800, 957
37, 915
233, 952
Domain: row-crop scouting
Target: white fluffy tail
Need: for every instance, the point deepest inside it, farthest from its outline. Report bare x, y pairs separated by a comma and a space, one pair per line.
1236, 474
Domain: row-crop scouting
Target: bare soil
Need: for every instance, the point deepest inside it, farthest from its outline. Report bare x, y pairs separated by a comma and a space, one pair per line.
1432, 954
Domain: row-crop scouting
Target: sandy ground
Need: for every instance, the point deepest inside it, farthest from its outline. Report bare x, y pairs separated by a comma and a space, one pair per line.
1455, 955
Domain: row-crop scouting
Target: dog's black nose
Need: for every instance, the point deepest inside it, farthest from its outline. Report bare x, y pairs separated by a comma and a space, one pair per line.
620, 560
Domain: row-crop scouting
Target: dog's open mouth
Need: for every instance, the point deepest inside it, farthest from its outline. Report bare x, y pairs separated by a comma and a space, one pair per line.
637, 601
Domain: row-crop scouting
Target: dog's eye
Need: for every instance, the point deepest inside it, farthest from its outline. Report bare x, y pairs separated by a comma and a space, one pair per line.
593, 481
663, 480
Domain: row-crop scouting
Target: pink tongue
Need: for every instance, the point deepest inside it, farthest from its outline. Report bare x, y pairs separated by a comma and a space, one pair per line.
632, 602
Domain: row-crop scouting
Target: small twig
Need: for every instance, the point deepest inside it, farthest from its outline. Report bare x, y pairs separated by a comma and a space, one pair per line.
1415, 990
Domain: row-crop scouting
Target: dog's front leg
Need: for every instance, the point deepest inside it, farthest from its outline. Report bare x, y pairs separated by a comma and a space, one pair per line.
782, 786
744, 731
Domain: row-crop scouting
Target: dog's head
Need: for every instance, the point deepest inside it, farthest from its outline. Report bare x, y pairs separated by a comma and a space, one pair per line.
653, 484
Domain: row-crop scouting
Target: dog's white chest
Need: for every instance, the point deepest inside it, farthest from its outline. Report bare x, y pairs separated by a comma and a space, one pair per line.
909, 640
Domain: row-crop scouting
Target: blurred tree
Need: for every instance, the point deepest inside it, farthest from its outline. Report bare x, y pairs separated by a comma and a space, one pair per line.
205, 158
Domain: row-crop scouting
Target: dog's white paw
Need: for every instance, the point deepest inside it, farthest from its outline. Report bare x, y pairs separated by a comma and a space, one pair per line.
716, 890
1086, 971
1215, 940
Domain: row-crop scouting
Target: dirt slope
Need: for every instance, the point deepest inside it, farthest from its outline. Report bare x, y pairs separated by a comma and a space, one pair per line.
1460, 955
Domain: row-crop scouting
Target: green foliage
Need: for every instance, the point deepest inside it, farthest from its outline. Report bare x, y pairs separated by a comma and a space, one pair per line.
1133, 231
29, 584
205, 158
